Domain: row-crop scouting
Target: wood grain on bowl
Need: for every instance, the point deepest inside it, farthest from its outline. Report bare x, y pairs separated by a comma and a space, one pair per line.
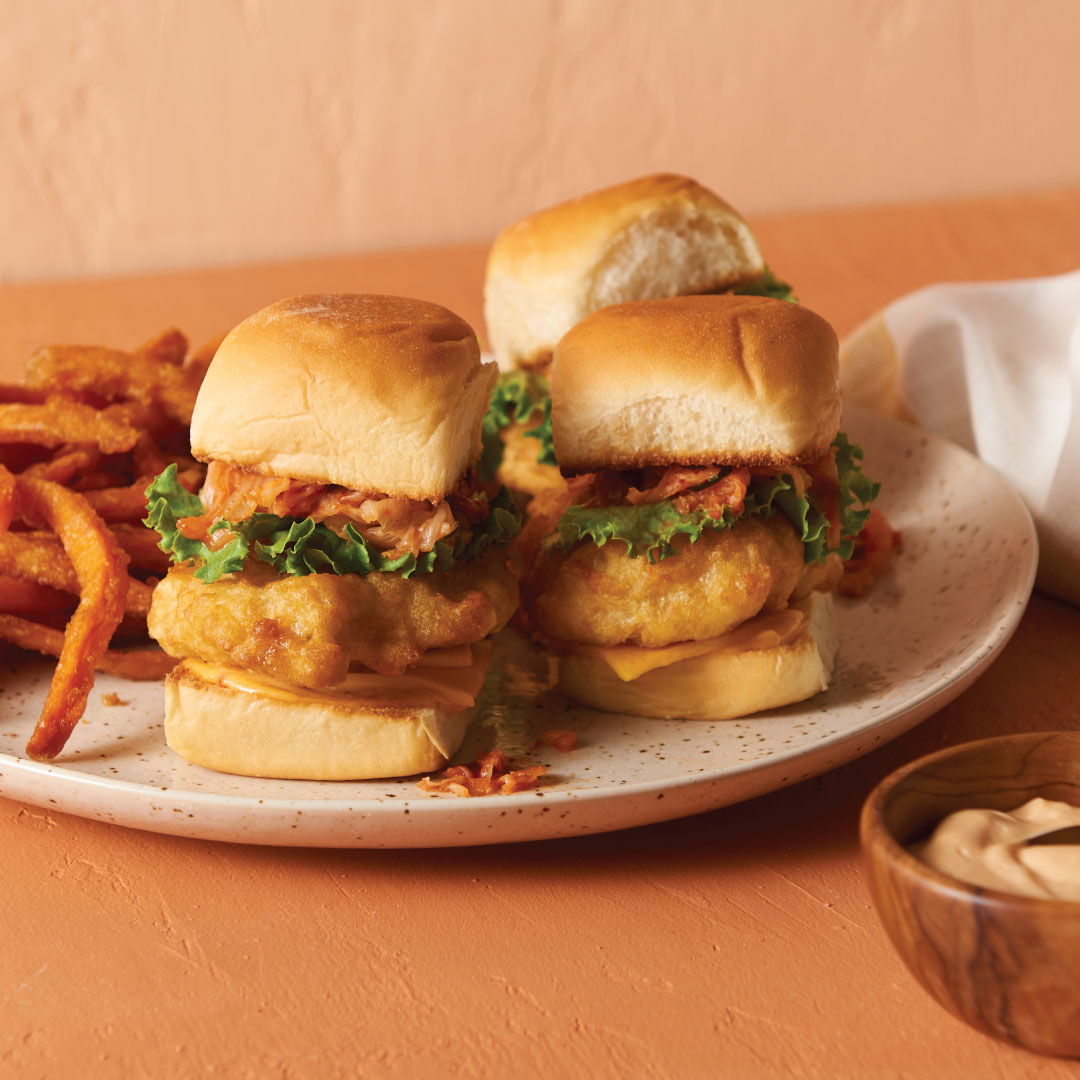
1007, 965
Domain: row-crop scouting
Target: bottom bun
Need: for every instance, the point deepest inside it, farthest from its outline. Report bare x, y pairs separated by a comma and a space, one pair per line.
720, 685
313, 737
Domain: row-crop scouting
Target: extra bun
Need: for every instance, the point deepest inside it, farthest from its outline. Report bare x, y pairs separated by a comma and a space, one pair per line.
660, 235
719, 685
695, 380
376, 393
253, 734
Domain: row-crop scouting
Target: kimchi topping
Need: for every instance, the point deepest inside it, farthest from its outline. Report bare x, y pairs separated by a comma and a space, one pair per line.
558, 739
874, 548
490, 774
398, 526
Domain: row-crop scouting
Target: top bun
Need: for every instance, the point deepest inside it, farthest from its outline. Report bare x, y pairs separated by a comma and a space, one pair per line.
662, 235
376, 393
695, 380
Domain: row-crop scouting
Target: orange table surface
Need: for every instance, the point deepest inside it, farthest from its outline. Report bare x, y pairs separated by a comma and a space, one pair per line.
741, 943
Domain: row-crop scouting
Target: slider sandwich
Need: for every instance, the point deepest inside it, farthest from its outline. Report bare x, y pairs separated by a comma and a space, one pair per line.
713, 504
338, 577
656, 236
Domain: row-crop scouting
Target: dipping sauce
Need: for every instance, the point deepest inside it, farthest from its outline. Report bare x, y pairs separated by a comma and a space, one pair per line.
989, 848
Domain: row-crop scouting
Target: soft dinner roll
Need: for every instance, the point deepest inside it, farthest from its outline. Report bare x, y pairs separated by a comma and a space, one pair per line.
720, 685
304, 737
695, 380
662, 235
379, 394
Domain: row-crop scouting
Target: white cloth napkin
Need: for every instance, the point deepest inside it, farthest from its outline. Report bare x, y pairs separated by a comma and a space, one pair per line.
996, 369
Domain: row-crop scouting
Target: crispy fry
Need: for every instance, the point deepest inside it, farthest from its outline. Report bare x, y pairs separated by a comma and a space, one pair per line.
129, 503
16, 393
38, 557
116, 376
149, 418
144, 663
101, 422
29, 598
120, 503
59, 421
199, 360
7, 499
168, 347
141, 544
100, 566
148, 458
63, 466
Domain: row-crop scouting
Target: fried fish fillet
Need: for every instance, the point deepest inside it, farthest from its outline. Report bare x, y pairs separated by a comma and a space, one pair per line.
599, 596
308, 631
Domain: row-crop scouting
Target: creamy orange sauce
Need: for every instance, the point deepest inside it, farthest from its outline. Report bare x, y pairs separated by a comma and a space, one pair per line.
990, 849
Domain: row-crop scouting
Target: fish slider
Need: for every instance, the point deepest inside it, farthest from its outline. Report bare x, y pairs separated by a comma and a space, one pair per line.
712, 504
336, 580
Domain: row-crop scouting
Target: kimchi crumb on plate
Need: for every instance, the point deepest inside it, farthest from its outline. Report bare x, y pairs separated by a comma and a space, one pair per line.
490, 774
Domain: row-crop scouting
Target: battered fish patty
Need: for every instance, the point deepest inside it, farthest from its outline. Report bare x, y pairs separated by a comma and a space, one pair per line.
600, 596
308, 631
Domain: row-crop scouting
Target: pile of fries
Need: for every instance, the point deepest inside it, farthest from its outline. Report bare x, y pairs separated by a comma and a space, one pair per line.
80, 441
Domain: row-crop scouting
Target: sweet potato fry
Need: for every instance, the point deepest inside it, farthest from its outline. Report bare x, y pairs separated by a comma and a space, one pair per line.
141, 544
168, 347
29, 598
100, 566
59, 421
148, 458
63, 466
144, 663
129, 503
7, 499
120, 503
116, 376
17, 393
199, 360
39, 558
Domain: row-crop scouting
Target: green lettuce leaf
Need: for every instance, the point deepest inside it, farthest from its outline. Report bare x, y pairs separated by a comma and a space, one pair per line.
767, 285
299, 547
857, 490
517, 395
651, 530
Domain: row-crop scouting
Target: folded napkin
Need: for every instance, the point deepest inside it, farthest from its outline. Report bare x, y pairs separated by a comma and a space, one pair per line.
996, 369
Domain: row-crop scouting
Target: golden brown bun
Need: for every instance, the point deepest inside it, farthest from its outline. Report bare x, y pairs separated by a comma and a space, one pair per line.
719, 685
376, 393
662, 235
695, 380
253, 734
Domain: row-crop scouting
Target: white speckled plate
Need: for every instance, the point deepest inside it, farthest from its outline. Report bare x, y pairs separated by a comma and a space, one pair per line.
930, 629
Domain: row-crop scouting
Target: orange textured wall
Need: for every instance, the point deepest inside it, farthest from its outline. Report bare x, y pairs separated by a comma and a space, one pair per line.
178, 132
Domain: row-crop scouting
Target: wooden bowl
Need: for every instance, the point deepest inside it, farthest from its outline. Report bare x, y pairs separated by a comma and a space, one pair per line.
1007, 965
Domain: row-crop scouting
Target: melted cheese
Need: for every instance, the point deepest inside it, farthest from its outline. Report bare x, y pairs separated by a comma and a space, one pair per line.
768, 631
452, 688
454, 656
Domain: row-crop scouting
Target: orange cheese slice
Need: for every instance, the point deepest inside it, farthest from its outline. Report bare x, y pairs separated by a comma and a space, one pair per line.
450, 688
768, 631
454, 656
